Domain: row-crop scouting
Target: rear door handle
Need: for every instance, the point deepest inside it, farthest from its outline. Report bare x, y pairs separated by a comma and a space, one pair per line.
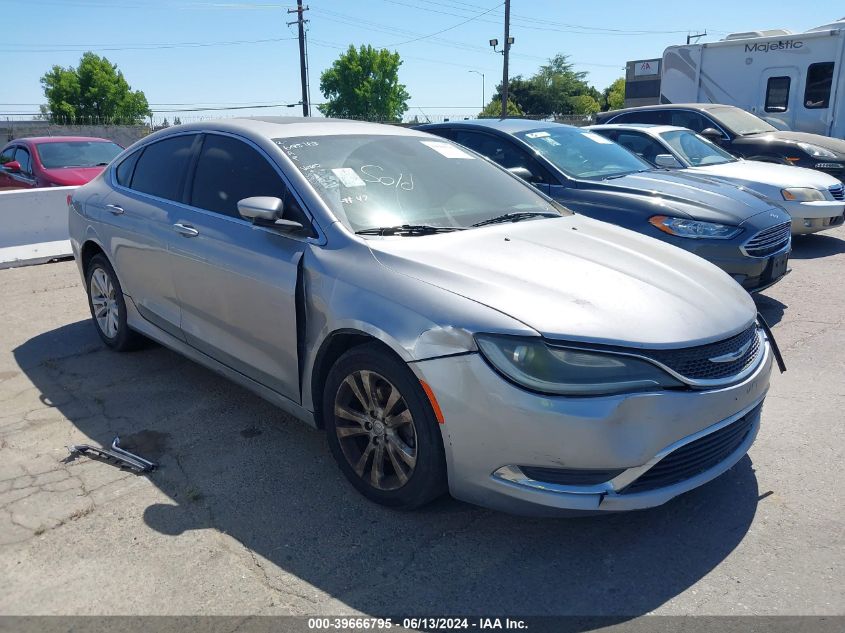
185, 230
115, 209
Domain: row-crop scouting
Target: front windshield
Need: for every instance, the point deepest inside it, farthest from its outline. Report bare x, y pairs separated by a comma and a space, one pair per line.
373, 181
582, 154
740, 122
697, 151
77, 153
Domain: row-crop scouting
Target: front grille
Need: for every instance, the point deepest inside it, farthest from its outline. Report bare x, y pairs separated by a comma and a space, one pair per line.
695, 362
697, 456
838, 192
569, 476
769, 240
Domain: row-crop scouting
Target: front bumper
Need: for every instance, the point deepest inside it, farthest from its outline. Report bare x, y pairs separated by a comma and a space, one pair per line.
491, 426
812, 217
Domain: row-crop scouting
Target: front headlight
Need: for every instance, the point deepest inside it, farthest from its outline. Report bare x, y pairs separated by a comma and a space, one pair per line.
802, 194
681, 227
531, 363
815, 151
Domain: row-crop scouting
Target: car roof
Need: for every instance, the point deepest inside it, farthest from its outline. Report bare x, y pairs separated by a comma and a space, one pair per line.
58, 139
651, 128
669, 106
510, 126
292, 127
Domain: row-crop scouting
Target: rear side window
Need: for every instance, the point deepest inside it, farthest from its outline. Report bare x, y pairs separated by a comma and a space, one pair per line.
8, 155
777, 94
503, 152
229, 170
657, 117
124, 171
819, 81
160, 169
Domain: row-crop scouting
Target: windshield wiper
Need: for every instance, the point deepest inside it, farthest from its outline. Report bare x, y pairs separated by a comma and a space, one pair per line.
627, 173
409, 229
517, 217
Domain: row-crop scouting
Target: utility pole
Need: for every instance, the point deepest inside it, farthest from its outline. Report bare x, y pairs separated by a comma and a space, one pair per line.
505, 65
303, 67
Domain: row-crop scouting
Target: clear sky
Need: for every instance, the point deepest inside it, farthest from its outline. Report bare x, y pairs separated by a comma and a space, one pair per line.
188, 54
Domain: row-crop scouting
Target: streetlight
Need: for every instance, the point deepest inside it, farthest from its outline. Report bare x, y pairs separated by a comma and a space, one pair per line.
483, 91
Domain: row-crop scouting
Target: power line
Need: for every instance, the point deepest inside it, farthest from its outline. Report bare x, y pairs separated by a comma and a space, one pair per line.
423, 37
96, 47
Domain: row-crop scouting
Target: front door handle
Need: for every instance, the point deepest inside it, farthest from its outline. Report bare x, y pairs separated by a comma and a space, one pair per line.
115, 209
185, 230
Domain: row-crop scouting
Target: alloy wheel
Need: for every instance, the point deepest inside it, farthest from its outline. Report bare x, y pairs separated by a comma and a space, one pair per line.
103, 299
375, 430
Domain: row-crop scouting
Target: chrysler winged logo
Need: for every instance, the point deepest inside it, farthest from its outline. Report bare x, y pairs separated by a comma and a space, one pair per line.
732, 356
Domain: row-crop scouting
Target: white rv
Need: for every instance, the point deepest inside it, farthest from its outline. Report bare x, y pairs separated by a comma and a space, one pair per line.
792, 79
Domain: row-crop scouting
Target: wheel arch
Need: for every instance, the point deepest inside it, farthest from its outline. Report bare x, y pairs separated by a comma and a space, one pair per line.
335, 345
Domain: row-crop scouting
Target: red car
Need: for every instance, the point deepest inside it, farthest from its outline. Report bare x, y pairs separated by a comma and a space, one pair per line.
54, 161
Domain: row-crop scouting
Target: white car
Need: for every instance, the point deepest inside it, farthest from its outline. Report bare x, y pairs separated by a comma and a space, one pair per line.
816, 201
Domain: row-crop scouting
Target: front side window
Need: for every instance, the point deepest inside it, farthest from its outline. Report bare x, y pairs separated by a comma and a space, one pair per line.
160, 170
690, 120
583, 154
641, 144
819, 82
372, 181
77, 153
695, 150
501, 151
22, 156
229, 170
777, 94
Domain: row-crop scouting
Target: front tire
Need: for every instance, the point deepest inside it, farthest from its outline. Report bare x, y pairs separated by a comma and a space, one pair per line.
382, 431
108, 308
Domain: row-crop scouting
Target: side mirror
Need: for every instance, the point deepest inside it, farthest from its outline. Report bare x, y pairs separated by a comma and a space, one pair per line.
668, 161
266, 211
524, 173
12, 166
711, 134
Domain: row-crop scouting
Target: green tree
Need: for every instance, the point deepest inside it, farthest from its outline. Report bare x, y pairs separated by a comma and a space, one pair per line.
364, 83
552, 90
493, 110
613, 96
584, 104
95, 91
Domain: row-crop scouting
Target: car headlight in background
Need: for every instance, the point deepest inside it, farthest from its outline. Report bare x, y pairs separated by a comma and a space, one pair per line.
682, 227
531, 363
802, 194
815, 151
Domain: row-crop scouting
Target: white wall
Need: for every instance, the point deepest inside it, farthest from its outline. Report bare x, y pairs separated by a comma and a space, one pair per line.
33, 225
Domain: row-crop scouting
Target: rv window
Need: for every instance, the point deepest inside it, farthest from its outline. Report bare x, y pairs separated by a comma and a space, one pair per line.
819, 80
777, 94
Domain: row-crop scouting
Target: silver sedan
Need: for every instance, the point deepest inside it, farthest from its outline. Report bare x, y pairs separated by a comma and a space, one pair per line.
446, 324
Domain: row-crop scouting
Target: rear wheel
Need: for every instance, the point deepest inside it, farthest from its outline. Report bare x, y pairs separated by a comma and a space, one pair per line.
382, 431
108, 308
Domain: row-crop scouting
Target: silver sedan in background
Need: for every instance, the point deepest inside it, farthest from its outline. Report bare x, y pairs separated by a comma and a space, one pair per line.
446, 324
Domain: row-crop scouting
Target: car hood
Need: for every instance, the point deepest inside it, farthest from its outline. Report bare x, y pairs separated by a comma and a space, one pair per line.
72, 175
579, 279
717, 201
753, 172
834, 144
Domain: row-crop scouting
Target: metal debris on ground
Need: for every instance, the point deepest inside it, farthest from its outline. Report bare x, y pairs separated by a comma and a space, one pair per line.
116, 455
